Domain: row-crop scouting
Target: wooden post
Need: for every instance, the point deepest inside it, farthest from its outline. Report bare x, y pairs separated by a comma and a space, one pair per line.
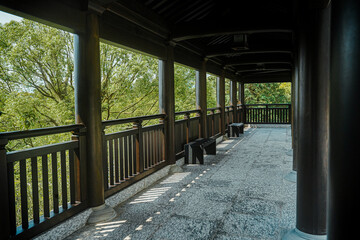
295, 108
242, 100
313, 122
344, 120
201, 98
233, 100
4, 193
139, 147
88, 105
187, 118
220, 100
88, 112
167, 102
80, 165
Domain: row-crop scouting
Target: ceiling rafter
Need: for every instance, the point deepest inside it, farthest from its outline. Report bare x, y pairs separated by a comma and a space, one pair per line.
203, 29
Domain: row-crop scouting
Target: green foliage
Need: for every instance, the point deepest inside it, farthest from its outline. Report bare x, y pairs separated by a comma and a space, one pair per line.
261, 93
129, 83
185, 98
211, 91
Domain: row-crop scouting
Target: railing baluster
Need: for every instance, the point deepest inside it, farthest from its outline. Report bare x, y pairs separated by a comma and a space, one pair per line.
45, 175
146, 150
55, 182
11, 197
139, 147
122, 150
23, 192
72, 176
131, 157
134, 154
117, 171
155, 147
126, 158
111, 161
35, 190
105, 160
63, 180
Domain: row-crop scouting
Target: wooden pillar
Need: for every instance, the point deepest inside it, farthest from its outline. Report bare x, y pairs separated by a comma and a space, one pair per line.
88, 105
233, 99
295, 108
313, 122
201, 103
88, 112
167, 102
220, 100
344, 120
242, 101
4, 191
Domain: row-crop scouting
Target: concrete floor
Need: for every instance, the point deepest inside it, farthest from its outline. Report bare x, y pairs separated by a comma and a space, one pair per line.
238, 194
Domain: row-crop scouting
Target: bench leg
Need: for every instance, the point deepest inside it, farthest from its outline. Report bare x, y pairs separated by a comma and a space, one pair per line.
211, 149
242, 129
198, 154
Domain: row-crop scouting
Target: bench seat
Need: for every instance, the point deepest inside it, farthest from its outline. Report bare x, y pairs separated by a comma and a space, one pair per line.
195, 150
234, 129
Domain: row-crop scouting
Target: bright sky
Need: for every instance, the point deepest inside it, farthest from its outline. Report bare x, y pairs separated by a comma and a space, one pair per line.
5, 17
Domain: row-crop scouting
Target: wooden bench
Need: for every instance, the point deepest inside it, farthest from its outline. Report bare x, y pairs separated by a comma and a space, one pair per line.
195, 150
235, 129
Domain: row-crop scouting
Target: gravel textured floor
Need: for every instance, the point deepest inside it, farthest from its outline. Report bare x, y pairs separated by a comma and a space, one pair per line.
238, 194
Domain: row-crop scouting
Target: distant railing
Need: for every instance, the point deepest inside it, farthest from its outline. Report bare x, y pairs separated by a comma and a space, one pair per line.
34, 202
213, 121
268, 113
132, 154
186, 130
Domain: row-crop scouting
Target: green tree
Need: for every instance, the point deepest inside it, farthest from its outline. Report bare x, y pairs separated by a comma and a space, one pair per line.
185, 98
267, 93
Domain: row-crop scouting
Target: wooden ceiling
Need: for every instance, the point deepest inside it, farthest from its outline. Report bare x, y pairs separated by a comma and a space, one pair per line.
251, 39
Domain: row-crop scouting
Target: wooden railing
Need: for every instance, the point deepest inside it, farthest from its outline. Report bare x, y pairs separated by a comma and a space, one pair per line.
213, 122
33, 202
186, 130
42, 186
268, 113
132, 154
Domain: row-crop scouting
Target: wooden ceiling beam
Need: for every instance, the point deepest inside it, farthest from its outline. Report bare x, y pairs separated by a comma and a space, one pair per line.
227, 52
201, 29
260, 59
267, 78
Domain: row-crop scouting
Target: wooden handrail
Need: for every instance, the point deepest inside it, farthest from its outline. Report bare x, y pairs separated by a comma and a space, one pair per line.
40, 132
132, 119
188, 112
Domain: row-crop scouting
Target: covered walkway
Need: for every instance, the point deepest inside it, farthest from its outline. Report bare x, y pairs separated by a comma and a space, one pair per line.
238, 194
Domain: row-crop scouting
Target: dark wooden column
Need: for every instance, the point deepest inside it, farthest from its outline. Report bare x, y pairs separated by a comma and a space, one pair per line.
343, 195
313, 121
242, 101
220, 100
233, 99
167, 102
201, 103
88, 105
88, 112
4, 191
295, 108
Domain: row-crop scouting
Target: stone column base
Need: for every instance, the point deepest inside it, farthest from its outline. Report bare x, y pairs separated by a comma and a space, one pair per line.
296, 234
101, 213
175, 169
291, 176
